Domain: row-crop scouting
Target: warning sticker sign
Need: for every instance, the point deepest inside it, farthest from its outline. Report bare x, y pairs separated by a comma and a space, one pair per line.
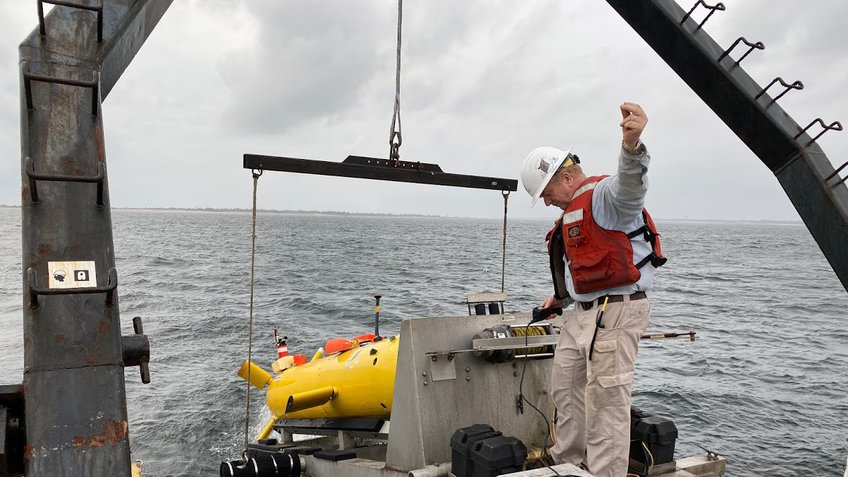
71, 275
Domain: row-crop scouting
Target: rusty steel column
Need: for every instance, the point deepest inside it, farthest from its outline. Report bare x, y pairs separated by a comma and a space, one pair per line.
788, 149
74, 393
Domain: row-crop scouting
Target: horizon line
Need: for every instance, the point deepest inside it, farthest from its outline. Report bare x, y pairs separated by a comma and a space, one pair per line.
400, 214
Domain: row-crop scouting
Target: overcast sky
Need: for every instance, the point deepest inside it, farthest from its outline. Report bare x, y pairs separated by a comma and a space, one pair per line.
483, 83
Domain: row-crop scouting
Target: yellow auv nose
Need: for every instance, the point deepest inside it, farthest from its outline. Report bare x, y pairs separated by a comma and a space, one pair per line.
252, 373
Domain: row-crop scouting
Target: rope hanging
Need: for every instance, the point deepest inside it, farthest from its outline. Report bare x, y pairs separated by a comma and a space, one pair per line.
256, 175
395, 137
505, 194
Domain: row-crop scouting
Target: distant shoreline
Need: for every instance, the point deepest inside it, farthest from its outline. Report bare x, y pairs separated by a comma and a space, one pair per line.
237, 210
275, 211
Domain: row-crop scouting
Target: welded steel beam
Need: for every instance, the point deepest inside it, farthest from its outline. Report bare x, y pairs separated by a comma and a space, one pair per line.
74, 392
378, 169
752, 113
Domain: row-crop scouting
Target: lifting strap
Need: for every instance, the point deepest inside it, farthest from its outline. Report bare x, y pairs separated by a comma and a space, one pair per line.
651, 237
556, 253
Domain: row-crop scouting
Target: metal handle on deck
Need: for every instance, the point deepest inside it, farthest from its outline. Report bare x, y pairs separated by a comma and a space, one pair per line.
136, 350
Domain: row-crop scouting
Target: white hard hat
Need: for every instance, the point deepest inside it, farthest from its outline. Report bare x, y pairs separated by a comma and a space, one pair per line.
539, 167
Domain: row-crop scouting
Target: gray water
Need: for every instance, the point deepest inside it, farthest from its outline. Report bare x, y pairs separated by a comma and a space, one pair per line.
765, 384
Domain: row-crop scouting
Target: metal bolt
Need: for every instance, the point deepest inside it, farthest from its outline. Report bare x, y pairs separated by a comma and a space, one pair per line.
515, 373
425, 382
434, 358
467, 370
514, 364
468, 378
424, 373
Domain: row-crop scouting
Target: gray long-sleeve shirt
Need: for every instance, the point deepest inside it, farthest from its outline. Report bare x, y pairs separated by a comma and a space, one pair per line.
617, 204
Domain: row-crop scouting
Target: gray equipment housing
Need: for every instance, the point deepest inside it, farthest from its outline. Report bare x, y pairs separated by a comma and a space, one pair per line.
439, 389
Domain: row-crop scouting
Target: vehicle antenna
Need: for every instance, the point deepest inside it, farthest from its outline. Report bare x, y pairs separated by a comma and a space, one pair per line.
377, 317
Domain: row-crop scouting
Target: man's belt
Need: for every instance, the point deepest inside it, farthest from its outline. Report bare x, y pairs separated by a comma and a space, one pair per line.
587, 305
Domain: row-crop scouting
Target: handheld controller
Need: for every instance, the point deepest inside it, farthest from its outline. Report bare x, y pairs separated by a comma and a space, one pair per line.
540, 314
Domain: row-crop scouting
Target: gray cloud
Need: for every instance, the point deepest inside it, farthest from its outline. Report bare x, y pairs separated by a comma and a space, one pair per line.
483, 83
15, 23
300, 70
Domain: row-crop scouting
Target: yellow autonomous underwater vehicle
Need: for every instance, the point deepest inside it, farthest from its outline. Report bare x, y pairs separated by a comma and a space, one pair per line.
344, 379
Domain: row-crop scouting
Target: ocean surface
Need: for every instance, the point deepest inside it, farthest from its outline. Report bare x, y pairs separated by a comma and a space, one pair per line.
765, 383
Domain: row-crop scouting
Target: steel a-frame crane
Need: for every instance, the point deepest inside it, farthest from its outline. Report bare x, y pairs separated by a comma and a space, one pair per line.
69, 416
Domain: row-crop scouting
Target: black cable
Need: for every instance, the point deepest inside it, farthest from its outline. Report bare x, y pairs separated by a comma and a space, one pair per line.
598, 325
645, 455
521, 399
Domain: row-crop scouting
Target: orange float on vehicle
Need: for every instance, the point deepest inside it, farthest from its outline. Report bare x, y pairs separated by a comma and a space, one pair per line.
337, 345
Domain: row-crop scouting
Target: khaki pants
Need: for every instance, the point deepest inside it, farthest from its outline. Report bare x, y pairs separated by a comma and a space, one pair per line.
593, 397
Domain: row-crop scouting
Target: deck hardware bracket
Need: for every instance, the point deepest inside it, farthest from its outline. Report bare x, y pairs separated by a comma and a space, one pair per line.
487, 302
513, 343
443, 369
796, 85
711, 456
718, 6
834, 126
97, 7
34, 291
835, 173
35, 177
136, 350
94, 84
751, 47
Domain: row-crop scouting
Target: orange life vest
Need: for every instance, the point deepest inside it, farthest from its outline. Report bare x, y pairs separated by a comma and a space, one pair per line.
597, 258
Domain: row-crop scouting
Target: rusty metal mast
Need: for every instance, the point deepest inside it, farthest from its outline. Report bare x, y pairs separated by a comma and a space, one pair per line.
789, 150
74, 355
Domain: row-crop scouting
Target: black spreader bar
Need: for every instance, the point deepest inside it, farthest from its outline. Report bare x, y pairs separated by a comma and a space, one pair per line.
378, 169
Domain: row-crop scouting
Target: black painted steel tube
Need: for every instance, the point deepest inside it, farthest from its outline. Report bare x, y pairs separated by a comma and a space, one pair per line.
75, 395
781, 144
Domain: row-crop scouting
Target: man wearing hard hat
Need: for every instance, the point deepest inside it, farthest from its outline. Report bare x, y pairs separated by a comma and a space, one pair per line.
603, 251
